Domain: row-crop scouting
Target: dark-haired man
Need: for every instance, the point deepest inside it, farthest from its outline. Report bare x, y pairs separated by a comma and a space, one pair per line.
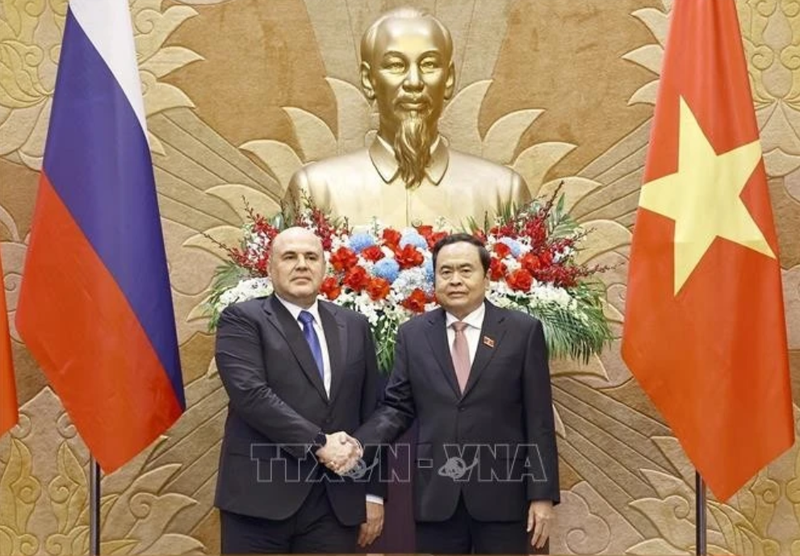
476, 377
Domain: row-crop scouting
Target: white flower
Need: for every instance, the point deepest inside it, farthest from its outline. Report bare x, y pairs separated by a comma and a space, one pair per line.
246, 289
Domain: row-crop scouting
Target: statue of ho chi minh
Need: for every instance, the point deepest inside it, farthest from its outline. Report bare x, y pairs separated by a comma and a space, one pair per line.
408, 175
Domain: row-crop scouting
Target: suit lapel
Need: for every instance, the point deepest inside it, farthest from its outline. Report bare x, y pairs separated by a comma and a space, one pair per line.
437, 338
281, 318
488, 344
336, 337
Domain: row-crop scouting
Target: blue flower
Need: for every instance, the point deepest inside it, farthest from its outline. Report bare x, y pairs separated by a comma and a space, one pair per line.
359, 242
428, 267
388, 269
513, 244
415, 239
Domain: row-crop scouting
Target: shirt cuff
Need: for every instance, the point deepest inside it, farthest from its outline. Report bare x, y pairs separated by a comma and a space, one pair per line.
375, 499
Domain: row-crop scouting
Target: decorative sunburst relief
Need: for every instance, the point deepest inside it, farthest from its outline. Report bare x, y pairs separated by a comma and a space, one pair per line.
355, 118
30, 45
459, 123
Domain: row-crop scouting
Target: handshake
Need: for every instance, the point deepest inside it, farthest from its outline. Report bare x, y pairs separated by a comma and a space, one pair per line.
341, 452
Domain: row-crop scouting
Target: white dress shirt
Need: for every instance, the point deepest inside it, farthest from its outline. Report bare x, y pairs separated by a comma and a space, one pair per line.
295, 311
472, 332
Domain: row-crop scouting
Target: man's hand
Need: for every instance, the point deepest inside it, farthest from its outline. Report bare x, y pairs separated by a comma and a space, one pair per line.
540, 518
340, 453
371, 529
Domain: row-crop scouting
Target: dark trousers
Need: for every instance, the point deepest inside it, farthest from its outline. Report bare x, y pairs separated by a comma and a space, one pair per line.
313, 529
461, 534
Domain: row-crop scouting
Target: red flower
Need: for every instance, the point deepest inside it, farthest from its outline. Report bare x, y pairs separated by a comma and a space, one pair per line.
497, 269
424, 230
408, 257
501, 249
378, 288
434, 238
520, 280
416, 301
373, 253
330, 288
391, 238
531, 262
356, 278
343, 259
536, 231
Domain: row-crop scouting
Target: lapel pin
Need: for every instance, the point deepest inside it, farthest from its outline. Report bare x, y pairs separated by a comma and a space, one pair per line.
488, 341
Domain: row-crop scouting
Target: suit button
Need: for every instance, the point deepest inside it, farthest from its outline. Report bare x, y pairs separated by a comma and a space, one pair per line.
461, 408
328, 420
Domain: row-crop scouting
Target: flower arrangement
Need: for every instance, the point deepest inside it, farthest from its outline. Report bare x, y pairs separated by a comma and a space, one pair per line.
387, 274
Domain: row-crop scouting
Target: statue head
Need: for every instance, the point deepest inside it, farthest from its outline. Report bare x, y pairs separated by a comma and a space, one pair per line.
407, 70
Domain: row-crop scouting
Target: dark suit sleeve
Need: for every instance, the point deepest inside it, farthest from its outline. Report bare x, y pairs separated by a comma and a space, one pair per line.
369, 402
543, 455
397, 411
241, 365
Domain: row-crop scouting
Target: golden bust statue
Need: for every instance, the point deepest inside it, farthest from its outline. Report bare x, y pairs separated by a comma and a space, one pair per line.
409, 175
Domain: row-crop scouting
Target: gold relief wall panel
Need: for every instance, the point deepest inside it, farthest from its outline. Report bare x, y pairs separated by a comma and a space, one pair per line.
241, 93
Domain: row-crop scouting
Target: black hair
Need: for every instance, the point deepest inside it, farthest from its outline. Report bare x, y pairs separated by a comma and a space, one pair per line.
483, 253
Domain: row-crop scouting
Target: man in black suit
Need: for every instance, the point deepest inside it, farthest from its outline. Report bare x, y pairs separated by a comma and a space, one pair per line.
295, 369
477, 378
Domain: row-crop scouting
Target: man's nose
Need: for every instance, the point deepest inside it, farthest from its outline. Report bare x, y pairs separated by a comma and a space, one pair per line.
302, 262
413, 79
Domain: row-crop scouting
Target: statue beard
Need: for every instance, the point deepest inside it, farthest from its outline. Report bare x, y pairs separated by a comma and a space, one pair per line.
412, 148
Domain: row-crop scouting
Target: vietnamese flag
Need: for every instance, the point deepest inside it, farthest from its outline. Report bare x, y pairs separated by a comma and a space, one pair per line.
8, 390
704, 332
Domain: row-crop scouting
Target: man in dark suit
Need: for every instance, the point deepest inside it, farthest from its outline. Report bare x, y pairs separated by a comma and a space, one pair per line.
295, 369
476, 377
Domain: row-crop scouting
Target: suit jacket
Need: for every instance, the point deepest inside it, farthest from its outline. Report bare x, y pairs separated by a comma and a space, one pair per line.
504, 418
278, 404
365, 184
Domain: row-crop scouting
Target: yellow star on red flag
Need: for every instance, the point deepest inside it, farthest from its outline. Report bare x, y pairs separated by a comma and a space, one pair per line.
703, 197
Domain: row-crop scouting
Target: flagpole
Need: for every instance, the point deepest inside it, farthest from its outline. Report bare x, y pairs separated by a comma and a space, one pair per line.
700, 515
94, 507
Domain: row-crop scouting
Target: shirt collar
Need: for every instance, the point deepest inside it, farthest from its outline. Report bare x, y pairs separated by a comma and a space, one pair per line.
296, 309
382, 155
474, 319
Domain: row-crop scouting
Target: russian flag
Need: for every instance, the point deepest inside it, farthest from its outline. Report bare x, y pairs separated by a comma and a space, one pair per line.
95, 308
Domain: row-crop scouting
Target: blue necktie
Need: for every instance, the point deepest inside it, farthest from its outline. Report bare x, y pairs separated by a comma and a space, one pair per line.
307, 320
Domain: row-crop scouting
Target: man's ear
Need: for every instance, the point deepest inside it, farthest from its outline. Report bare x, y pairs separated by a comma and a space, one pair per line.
366, 81
450, 84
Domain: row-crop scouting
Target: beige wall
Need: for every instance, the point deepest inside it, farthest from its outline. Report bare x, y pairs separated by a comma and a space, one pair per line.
240, 93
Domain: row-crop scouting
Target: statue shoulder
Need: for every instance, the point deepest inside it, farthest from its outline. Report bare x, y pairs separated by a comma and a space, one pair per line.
341, 164
317, 178
467, 168
485, 167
